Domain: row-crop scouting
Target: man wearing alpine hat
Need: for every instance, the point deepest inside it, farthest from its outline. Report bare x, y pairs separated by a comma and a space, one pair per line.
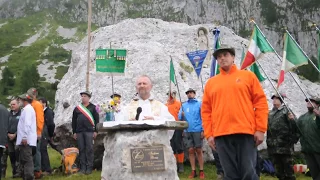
84, 121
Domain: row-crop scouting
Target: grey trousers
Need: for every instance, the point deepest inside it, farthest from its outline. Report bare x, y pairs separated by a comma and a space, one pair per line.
313, 162
238, 156
26, 162
37, 157
85, 145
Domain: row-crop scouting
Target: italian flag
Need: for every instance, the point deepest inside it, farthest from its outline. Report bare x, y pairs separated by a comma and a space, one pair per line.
293, 57
253, 68
172, 78
257, 47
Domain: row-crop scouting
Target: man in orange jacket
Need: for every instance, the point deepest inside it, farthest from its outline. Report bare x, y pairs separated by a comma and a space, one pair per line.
234, 115
176, 142
38, 108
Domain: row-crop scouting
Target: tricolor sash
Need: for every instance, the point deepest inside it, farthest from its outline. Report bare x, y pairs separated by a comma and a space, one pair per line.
85, 111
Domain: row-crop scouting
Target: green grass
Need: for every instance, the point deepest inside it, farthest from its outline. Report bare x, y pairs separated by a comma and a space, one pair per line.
55, 160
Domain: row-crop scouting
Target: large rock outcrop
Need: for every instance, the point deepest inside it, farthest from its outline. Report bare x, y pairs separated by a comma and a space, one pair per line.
150, 43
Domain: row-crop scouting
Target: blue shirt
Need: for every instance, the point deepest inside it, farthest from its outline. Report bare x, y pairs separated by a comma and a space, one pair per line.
192, 114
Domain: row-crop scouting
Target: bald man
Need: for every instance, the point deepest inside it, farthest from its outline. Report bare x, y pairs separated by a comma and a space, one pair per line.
144, 106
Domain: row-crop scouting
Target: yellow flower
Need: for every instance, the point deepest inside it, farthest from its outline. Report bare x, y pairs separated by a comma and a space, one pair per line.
112, 103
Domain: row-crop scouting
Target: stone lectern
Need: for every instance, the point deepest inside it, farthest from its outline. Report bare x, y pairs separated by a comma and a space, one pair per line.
139, 150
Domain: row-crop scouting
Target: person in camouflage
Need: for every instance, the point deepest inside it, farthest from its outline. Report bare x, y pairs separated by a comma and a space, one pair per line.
282, 134
309, 124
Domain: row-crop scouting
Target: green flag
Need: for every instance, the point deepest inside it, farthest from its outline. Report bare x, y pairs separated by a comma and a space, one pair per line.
253, 68
172, 78
293, 56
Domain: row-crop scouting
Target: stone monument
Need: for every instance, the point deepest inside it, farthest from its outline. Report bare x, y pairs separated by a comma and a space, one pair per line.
139, 150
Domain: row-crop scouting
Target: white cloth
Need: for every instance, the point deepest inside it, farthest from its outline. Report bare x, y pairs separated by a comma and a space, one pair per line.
27, 126
146, 111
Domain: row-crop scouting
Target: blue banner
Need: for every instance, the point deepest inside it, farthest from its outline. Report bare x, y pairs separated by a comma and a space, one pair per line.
196, 58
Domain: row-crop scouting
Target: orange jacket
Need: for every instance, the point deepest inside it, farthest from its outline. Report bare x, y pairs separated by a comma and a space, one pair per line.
234, 103
174, 108
38, 108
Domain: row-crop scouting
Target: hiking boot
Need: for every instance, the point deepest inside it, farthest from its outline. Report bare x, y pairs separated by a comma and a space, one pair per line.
180, 168
220, 176
201, 175
192, 175
38, 175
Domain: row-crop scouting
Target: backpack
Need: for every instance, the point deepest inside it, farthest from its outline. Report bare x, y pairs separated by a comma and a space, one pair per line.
267, 167
69, 156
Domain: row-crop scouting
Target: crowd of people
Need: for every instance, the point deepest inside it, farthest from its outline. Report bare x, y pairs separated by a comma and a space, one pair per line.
26, 131
233, 116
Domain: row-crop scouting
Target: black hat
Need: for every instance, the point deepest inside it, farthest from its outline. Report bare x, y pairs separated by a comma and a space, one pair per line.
115, 94
190, 90
87, 93
224, 47
314, 99
277, 96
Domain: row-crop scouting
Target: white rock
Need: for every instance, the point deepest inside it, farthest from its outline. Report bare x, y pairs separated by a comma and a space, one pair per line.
150, 42
66, 33
116, 163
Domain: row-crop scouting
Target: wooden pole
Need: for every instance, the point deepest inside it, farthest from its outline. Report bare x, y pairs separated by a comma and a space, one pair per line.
89, 40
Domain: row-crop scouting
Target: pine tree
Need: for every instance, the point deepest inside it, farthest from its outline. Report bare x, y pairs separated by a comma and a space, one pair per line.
29, 78
7, 82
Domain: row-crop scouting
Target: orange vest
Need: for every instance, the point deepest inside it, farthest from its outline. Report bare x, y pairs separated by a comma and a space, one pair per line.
38, 108
174, 108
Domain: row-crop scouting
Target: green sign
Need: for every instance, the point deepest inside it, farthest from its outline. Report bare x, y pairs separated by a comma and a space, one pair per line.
112, 61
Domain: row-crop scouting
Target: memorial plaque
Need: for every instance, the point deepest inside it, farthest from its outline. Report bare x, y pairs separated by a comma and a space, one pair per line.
147, 159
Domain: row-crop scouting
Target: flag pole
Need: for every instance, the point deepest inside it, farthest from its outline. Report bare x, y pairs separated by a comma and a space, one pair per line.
274, 87
302, 51
201, 83
89, 39
175, 77
281, 61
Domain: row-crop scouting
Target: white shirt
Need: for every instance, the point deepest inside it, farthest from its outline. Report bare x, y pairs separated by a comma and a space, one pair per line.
27, 126
146, 111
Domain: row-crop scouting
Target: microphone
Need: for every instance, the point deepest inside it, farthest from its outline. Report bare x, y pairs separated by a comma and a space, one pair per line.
139, 110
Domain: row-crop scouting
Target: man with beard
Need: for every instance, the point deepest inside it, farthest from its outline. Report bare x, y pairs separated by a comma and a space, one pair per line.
84, 121
144, 106
282, 134
310, 136
12, 137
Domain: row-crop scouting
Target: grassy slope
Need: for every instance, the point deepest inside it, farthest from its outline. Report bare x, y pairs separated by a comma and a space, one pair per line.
17, 31
55, 160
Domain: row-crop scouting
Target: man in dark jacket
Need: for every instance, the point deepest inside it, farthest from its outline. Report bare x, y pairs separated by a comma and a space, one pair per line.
47, 135
84, 121
282, 134
310, 136
12, 137
4, 119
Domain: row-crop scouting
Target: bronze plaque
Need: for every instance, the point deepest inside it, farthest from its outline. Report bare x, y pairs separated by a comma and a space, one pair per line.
147, 159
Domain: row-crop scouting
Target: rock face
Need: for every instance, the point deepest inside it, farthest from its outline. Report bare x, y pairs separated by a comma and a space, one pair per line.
117, 156
271, 14
150, 42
